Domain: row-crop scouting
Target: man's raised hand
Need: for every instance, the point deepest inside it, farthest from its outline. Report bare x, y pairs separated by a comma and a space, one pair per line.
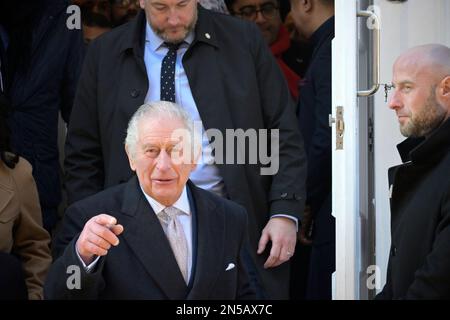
97, 237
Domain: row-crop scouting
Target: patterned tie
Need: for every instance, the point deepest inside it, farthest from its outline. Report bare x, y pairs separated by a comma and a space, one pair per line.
168, 72
176, 237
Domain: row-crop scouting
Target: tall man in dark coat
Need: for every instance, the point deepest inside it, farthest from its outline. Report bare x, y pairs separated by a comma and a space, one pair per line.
44, 59
314, 20
226, 77
419, 260
125, 244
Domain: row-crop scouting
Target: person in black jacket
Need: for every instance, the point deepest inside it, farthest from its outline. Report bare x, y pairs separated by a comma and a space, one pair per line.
419, 260
156, 236
43, 62
314, 20
226, 78
24, 244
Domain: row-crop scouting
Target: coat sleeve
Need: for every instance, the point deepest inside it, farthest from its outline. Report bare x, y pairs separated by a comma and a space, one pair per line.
31, 240
287, 192
244, 289
318, 183
73, 65
67, 278
84, 172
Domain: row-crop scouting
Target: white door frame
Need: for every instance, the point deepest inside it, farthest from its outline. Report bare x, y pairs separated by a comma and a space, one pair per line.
345, 165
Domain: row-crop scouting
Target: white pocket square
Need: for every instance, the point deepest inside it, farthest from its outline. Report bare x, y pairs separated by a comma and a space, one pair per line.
230, 266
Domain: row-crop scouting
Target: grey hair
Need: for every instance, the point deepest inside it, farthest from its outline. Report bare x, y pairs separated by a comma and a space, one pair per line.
158, 110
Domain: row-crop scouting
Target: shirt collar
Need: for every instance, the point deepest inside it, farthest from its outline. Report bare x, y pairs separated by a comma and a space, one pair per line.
181, 204
155, 42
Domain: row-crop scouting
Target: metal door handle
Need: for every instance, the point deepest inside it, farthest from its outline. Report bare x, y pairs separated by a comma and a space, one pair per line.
376, 54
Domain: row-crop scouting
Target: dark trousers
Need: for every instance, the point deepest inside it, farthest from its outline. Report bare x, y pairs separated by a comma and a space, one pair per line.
320, 271
254, 279
12, 281
323, 257
299, 272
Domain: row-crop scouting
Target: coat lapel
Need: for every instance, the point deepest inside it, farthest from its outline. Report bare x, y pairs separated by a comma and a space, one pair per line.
210, 244
210, 97
200, 63
134, 87
145, 236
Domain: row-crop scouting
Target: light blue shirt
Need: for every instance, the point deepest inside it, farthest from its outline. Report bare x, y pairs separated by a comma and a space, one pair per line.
206, 175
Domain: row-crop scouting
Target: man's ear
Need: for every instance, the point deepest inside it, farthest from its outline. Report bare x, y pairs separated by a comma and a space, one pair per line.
444, 87
307, 5
130, 158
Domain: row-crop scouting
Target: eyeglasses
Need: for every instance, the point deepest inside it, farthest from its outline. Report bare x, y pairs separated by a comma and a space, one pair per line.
268, 10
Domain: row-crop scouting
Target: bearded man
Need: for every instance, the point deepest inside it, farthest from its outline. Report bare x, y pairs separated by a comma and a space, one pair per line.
420, 187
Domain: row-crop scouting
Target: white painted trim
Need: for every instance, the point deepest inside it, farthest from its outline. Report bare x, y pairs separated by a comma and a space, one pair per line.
345, 164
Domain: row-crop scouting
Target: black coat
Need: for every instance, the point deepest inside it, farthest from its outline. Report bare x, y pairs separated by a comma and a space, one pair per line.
313, 109
40, 92
419, 261
143, 266
236, 83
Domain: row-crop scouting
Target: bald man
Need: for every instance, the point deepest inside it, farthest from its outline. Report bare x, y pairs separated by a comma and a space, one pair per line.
419, 261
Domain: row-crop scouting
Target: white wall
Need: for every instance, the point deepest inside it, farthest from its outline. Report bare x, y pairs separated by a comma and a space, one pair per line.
403, 25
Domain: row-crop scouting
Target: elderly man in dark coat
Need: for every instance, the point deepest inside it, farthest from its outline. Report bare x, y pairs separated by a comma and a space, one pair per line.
226, 77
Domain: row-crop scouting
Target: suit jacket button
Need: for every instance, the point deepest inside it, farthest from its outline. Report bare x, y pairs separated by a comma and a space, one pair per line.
135, 93
284, 195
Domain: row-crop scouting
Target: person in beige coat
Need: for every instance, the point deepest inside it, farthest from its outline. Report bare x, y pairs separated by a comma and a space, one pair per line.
24, 244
